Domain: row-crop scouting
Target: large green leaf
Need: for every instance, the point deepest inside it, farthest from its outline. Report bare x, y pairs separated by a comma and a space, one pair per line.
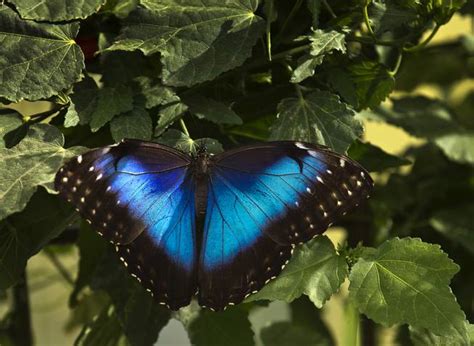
386, 16
322, 43
456, 224
316, 270
169, 113
10, 120
217, 112
230, 328
304, 328
91, 249
120, 8
37, 60
23, 234
139, 315
420, 116
407, 281
374, 158
56, 10
197, 39
373, 82
289, 333
83, 103
423, 337
111, 101
458, 147
155, 93
31, 163
318, 117
135, 124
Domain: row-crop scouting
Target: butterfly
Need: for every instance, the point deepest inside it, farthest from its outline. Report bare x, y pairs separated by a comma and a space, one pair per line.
216, 226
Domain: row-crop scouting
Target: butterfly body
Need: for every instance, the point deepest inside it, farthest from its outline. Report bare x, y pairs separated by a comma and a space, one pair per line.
221, 225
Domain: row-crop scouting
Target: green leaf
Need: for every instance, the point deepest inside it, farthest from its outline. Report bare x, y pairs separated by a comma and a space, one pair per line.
423, 337
111, 101
155, 93
420, 116
217, 112
288, 333
322, 43
230, 328
318, 117
458, 147
24, 234
181, 141
105, 330
10, 120
120, 8
456, 224
135, 124
373, 158
37, 60
83, 103
91, 250
315, 270
373, 82
305, 327
139, 315
32, 163
257, 129
198, 40
169, 113
389, 16
407, 281
341, 81
56, 10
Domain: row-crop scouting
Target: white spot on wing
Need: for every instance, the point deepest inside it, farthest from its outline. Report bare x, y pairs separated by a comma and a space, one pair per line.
342, 163
79, 159
91, 168
301, 145
99, 176
64, 180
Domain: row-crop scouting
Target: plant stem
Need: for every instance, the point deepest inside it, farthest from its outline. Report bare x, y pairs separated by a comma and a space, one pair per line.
422, 45
367, 19
371, 40
20, 328
352, 330
292, 13
59, 266
183, 126
331, 12
397, 64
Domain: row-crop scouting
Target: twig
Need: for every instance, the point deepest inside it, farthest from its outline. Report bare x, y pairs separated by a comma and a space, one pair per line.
424, 43
59, 266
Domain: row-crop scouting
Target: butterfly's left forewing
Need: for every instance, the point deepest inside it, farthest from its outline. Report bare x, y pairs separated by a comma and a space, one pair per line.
140, 196
263, 200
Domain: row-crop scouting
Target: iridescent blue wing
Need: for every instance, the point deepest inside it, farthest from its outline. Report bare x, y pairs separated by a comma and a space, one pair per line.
140, 196
262, 200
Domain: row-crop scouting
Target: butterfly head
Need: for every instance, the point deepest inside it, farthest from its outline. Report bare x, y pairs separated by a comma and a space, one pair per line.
201, 160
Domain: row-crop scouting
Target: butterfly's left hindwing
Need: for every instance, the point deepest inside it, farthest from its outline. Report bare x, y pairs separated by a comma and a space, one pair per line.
140, 196
262, 201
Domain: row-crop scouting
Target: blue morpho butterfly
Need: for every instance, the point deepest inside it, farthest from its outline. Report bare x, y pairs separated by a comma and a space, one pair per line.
217, 226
